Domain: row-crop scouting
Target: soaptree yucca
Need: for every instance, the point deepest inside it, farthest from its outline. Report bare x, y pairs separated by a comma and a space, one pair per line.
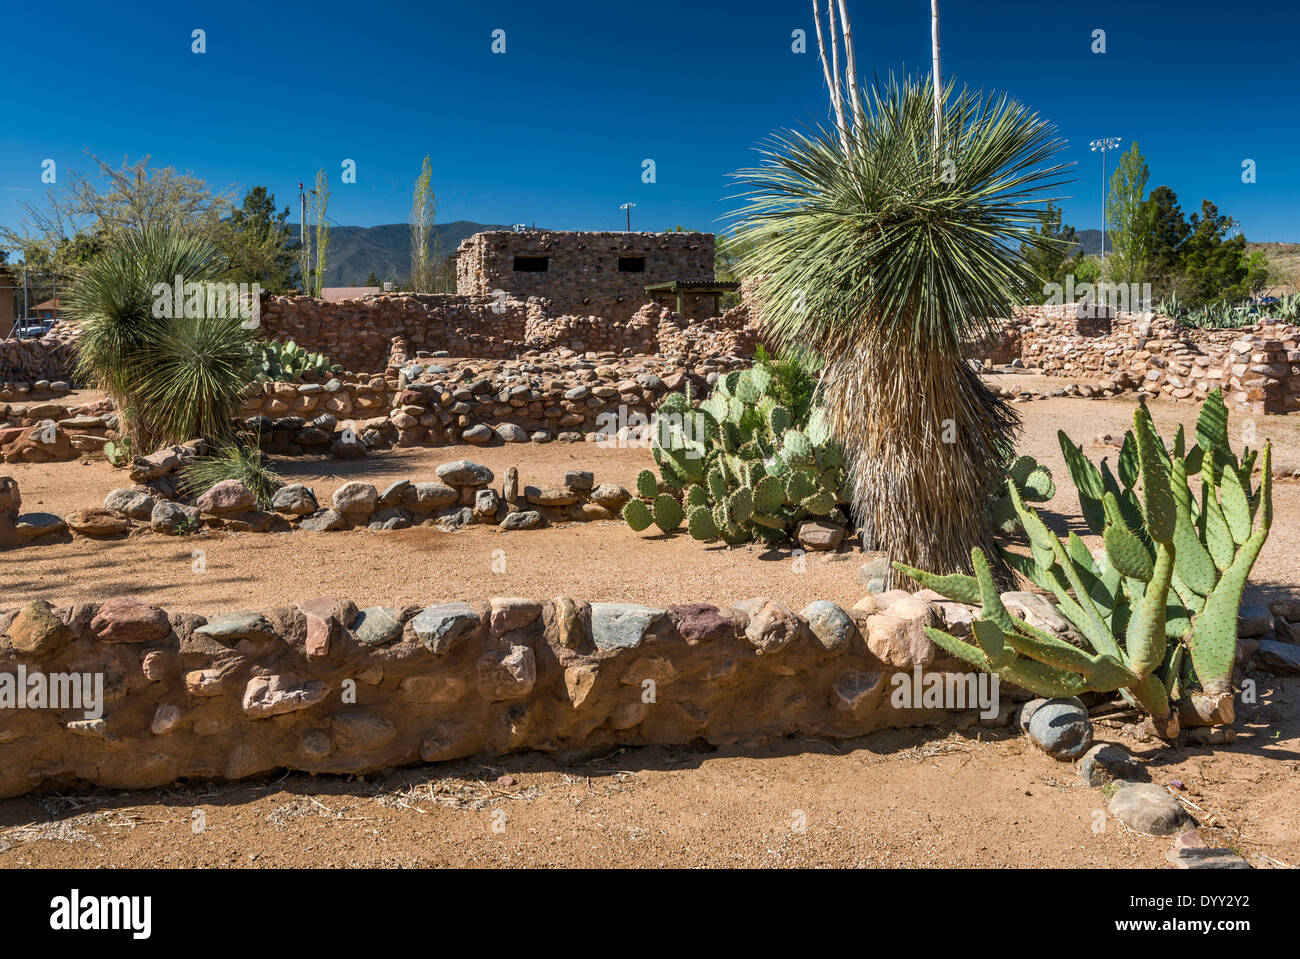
173, 377
888, 257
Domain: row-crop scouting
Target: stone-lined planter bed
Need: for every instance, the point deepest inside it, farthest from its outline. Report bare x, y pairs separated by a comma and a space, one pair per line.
462, 494
51, 432
324, 687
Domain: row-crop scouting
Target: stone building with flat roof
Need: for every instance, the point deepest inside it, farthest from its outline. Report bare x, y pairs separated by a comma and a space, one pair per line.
583, 273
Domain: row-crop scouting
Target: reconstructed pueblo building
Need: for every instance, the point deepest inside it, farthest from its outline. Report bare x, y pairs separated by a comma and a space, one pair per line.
608, 274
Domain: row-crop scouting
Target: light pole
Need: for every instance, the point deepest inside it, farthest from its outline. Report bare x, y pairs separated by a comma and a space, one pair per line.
1101, 146
627, 207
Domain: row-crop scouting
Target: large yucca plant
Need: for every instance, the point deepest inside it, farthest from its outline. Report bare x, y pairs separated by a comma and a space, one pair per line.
886, 257
172, 378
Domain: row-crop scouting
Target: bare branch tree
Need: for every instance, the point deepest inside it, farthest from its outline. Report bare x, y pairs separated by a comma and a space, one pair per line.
831, 71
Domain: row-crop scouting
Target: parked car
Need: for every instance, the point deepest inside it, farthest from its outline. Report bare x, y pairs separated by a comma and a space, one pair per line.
32, 328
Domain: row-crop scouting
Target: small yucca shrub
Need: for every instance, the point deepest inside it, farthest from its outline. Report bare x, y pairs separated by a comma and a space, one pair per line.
238, 461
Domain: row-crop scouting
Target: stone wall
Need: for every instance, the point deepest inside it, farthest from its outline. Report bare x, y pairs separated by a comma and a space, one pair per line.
582, 272
25, 363
1258, 367
388, 330
324, 687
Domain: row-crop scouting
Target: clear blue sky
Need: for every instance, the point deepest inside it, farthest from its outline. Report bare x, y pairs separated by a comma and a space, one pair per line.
555, 130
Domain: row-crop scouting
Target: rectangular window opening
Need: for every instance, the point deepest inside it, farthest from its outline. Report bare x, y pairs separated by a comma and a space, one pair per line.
631, 264
530, 264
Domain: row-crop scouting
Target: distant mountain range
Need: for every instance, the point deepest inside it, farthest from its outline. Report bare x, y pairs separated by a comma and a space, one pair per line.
1090, 241
356, 251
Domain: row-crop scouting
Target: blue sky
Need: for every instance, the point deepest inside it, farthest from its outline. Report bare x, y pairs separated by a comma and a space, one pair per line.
555, 130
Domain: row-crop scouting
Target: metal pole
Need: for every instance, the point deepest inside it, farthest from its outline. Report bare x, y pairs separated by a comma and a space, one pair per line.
1103, 213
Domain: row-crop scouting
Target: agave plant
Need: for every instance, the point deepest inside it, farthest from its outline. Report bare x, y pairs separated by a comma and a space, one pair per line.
1158, 602
885, 255
172, 378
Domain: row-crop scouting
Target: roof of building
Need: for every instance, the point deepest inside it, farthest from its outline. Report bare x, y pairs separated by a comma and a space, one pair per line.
694, 286
333, 294
54, 304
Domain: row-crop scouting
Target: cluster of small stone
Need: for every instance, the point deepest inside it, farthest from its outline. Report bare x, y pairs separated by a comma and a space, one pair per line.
541, 398
462, 495
322, 686
52, 432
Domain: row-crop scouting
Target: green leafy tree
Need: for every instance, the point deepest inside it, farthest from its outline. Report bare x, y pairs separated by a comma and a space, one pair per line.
1128, 217
1214, 263
424, 239
320, 201
1169, 231
1051, 254
256, 241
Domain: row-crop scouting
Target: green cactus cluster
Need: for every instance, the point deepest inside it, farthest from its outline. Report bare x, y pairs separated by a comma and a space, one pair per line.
738, 466
290, 363
1032, 481
1158, 602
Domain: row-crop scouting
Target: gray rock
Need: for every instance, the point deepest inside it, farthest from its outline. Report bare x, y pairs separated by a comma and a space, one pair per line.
377, 626
611, 496
1149, 809
326, 521
427, 497
294, 500
524, 519
230, 628
511, 433
486, 503
829, 624
1106, 762
1284, 657
579, 479
465, 473
348, 449
621, 625
133, 503
458, 519
540, 436
440, 625
1061, 728
1254, 621
393, 493
168, 517
36, 525
356, 500
390, 517
478, 434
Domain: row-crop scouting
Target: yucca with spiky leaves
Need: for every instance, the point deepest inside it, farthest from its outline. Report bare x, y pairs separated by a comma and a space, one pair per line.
887, 258
240, 458
172, 378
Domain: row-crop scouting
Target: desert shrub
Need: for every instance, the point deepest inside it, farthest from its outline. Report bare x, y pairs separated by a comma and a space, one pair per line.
238, 460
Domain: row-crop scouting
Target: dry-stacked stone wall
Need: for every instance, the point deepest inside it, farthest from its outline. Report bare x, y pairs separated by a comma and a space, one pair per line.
1258, 367
123, 694
52, 432
31, 366
386, 331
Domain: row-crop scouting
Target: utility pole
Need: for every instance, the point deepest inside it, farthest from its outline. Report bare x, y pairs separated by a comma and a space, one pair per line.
1101, 146
627, 207
302, 233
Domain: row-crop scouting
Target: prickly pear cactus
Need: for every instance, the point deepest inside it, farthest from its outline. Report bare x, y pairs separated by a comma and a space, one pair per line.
738, 465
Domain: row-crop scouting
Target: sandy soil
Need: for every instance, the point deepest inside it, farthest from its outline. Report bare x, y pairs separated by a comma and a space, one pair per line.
899, 798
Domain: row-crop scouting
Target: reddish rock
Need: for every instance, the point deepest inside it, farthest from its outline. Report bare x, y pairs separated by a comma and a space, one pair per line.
122, 620
228, 496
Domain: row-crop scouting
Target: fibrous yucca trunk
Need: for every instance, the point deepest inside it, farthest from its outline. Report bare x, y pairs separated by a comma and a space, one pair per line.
925, 441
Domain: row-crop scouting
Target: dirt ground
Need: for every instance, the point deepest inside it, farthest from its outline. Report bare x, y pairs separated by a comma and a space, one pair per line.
899, 798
